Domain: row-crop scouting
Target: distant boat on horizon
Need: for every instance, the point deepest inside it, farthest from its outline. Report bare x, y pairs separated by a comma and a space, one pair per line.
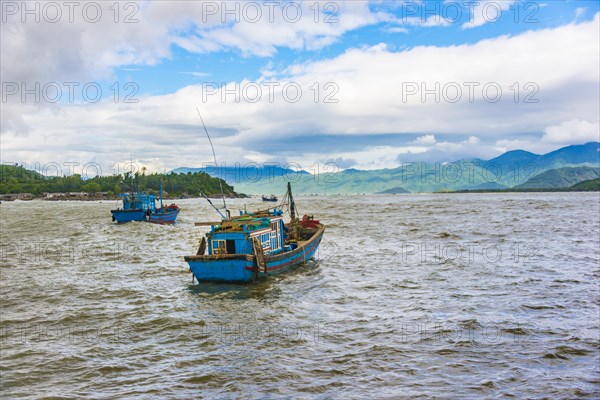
270, 198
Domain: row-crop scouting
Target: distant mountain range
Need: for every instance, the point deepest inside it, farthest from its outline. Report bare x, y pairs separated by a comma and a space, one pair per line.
514, 169
561, 177
243, 172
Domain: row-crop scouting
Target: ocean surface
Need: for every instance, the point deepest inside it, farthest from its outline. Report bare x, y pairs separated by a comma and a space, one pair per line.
412, 296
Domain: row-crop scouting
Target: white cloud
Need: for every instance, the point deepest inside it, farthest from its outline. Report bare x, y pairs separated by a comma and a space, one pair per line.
368, 84
396, 29
503, 145
572, 131
374, 158
81, 50
425, 140
472, 140
449, 151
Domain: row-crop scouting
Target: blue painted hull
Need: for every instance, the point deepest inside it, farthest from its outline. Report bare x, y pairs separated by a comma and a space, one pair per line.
166, 218
243, 268
223, 269
122, 216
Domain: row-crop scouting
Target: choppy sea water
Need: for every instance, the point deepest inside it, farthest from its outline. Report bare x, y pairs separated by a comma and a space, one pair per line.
447, 296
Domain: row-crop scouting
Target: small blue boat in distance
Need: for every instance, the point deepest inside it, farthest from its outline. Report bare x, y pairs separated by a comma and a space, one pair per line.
255, 245
141, 206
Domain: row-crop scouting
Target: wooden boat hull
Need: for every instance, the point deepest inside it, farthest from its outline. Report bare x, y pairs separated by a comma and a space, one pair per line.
243, 268
165, 218
122, 216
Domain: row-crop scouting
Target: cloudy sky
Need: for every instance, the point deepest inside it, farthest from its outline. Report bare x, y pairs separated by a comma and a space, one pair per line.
362, 84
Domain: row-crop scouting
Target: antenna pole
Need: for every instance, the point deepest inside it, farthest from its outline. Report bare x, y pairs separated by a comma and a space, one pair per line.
214, 157
161, 201
291, 200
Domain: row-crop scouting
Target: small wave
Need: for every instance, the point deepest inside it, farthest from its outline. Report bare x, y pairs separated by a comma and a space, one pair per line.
516, 331
563, 353
489, 384
538, 307
445, 352
446, 235
202, 379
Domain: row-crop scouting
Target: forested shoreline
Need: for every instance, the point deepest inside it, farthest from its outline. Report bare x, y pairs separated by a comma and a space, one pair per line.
16, 179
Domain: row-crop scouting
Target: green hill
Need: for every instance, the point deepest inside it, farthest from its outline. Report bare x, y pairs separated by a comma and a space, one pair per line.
589, 185
510, 159
16, 179
561, 177
8, 172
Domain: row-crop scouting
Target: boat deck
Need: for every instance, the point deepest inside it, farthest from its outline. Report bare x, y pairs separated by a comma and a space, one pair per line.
315, 234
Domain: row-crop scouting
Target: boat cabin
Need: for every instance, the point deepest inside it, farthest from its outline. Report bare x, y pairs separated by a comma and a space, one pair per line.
139, 201
235, 235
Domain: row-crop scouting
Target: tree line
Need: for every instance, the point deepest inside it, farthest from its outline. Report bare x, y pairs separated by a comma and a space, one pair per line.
17, 179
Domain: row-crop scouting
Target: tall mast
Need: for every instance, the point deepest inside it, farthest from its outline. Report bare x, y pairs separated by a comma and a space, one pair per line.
292, 204
161, 202
216, 166
215, 158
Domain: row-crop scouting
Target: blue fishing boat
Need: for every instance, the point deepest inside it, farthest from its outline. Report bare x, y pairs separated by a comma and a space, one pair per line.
136, 207
255, 245
141, 206
165, 215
